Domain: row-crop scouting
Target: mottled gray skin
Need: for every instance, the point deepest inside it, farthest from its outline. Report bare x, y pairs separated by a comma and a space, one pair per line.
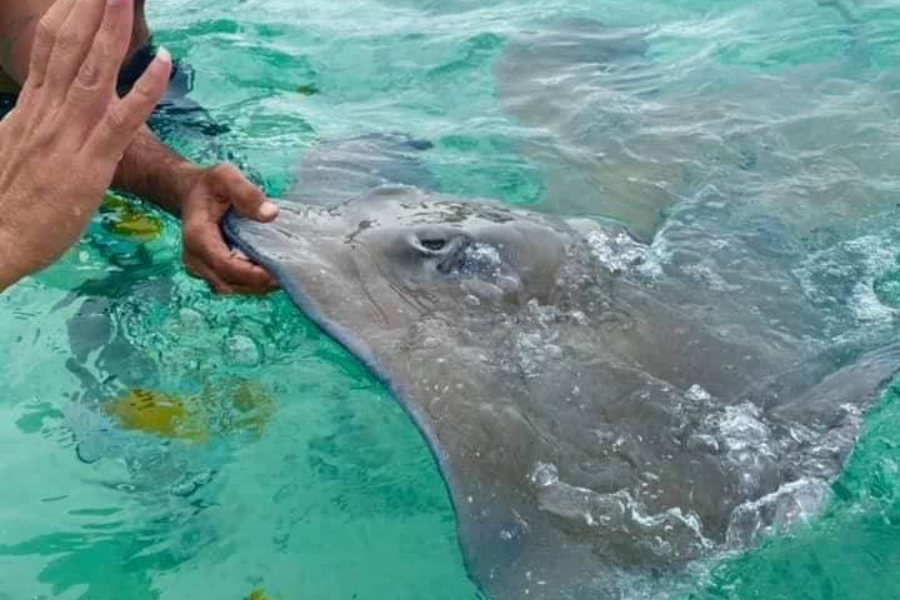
552, 367
570, 83
621, 128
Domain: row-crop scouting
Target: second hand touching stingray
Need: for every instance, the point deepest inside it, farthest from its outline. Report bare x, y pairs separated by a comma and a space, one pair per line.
594, 412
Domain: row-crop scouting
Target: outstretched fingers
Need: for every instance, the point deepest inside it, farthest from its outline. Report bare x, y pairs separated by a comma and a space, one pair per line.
95, 84
74, 40
76, 55
125, 117
44, 39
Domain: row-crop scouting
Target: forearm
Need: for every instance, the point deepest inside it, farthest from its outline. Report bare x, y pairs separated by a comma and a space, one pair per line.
8, 273
6, 280
10, 269
148, 168
155, 173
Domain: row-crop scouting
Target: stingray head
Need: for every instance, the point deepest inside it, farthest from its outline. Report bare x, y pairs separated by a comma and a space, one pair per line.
467, 253
398, 254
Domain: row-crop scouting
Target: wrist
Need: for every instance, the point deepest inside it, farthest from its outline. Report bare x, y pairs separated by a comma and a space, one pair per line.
6, 279
184, 177
10, 271
156, 173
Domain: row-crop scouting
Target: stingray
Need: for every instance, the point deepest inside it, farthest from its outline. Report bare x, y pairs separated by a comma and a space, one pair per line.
598, 407
622, 124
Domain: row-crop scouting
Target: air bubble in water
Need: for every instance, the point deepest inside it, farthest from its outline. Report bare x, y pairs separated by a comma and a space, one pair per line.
190, 483
544, 475
242, 351
887, 289
698, 394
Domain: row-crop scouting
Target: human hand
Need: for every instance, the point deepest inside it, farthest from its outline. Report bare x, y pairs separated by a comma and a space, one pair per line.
63, 141
210, 195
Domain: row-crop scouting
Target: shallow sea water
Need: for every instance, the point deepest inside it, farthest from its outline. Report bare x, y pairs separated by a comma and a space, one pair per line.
783, 110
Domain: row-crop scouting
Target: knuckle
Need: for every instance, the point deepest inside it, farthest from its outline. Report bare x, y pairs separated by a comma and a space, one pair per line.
47, 135
108, 29
117, 121
223, 169
68, 40
46, 30
254, 196
144, 91
225, 173
89, 76
218, 264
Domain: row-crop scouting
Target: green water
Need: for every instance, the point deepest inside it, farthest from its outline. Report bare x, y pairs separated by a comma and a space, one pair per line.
339, 497
851, 550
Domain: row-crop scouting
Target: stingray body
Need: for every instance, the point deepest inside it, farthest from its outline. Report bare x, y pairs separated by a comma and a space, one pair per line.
594, 407
622, 127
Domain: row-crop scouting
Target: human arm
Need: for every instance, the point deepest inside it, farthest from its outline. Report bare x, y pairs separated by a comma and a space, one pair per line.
199, 196
63, 142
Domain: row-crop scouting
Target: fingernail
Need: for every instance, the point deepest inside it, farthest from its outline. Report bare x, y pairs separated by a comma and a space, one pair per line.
116, 3
268, 211
163, 54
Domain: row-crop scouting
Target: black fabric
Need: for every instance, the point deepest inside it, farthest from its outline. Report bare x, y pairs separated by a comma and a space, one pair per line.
175, 112
178, 121
7, 103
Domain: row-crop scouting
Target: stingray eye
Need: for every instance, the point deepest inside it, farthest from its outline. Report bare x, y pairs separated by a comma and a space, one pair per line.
436, 241
435, 244
441, 247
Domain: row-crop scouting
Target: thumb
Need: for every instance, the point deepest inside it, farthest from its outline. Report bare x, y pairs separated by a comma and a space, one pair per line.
126, 116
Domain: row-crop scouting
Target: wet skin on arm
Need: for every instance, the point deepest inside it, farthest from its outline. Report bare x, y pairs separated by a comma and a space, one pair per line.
199, 196
69, 120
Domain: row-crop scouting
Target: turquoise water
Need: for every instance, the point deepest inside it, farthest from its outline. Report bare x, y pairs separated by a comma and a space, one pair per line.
786, 110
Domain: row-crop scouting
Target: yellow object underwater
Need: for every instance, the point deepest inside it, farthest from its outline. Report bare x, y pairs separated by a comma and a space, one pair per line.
234, 406
258, 595
153, 412
129, 220
307, 89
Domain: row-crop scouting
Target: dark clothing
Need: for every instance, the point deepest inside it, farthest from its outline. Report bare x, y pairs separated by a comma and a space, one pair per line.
7, 102
175, 111
175, 115
178, 121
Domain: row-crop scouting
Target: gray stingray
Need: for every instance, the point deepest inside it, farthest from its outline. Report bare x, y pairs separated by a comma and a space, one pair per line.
573, 84
597, 407
622, 127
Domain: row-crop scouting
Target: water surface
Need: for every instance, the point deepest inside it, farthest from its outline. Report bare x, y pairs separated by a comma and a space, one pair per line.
782, 111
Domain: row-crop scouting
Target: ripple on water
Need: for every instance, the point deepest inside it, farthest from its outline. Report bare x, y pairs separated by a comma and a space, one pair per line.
784, 108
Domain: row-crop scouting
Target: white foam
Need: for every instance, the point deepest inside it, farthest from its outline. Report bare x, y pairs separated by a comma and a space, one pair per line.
668, 534
617, 252
878, 257
698, 394
544, 474
740, 428
793, 503
243, 351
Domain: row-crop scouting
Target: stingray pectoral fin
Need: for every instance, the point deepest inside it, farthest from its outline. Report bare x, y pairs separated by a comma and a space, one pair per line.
334, 172
513, 551
855, 385
505, 548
